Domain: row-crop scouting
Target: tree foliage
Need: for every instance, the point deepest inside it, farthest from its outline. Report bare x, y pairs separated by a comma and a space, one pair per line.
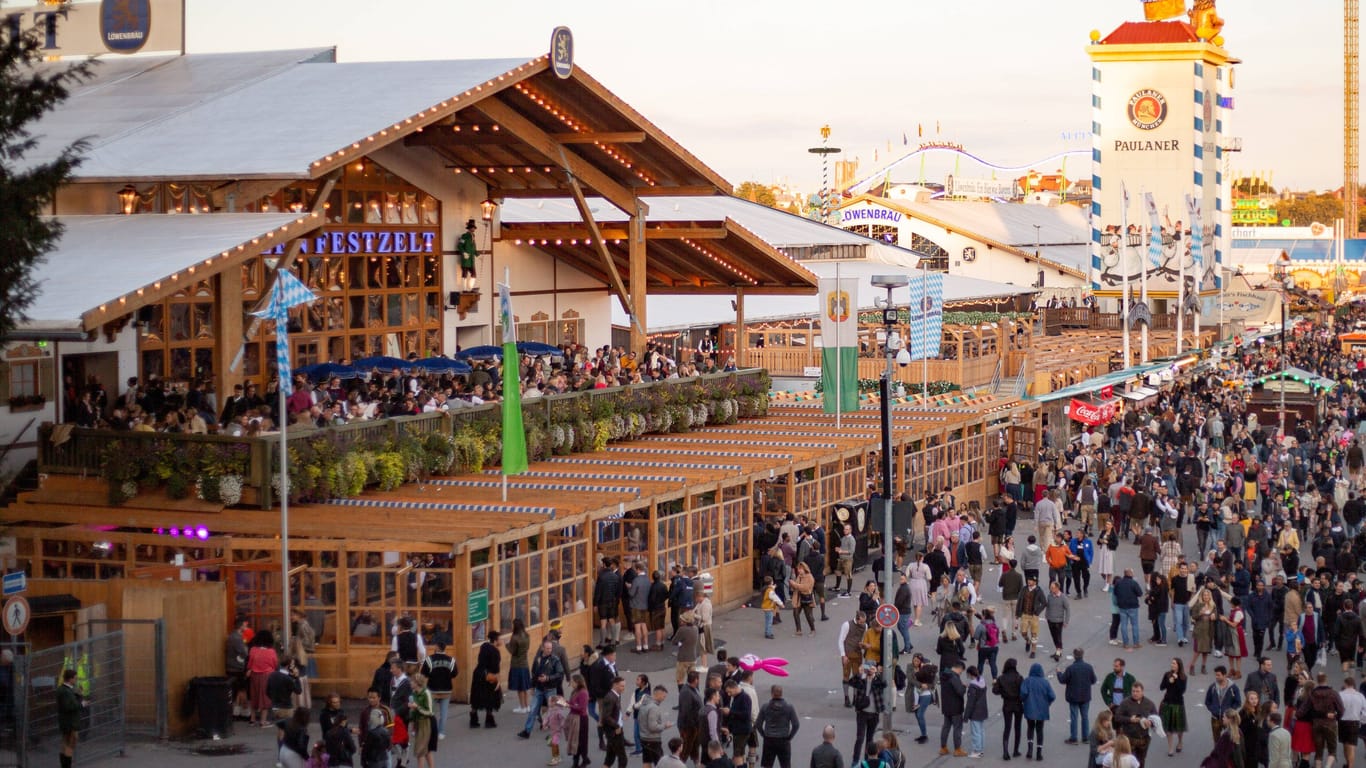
757, 193
29, 89
1324, 209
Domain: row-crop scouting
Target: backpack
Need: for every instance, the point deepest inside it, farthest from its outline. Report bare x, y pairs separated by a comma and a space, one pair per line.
685, 600
377, 743
993, 634
861, 698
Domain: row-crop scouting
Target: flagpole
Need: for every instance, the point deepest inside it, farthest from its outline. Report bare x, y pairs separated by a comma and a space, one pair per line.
1124, 271
507, 280
839, 359
1147, 238
925, 360
284, 509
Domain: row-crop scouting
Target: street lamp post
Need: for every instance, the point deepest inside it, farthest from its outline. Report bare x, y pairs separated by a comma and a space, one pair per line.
1281, 270
895, 350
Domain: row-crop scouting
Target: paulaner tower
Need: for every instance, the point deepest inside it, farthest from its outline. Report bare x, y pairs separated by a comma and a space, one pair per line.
1161, 100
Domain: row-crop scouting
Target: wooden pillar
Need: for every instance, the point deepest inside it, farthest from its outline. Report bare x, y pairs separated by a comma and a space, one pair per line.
228, 288
636, 237
741, 337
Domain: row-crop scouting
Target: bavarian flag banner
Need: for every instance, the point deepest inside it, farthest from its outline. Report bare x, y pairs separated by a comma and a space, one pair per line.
926, 314
839, 344
514, 435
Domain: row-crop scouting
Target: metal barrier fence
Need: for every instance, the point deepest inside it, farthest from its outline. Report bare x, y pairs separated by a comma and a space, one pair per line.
13, 714
99, 665
146, 700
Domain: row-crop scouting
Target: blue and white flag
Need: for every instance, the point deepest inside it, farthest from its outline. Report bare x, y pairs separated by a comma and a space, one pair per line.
1197, 239
287, 293
926, 314
1154, 230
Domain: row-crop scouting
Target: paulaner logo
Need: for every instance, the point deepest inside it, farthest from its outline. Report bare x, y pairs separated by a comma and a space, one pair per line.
125, 24
1147, 109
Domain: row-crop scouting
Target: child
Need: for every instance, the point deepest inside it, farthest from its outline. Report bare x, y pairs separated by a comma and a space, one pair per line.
557, 722
771, 604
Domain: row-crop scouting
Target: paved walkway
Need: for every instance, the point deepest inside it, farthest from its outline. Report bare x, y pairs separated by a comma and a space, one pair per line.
814, 689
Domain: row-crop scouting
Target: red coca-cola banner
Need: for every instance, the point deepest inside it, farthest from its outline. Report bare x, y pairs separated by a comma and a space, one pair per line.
1107, 392
1092, 413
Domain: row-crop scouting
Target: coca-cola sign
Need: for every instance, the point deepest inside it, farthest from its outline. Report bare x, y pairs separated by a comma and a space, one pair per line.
1091, 413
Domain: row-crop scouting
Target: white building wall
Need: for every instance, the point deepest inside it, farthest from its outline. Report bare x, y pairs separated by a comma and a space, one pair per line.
535, 275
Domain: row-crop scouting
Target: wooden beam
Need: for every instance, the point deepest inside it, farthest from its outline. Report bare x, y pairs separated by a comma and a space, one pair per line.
553, 232
544, 143
228, 320
440, 136
741, 337
587, 214
692, 233
676, 191
636, 241
606, 137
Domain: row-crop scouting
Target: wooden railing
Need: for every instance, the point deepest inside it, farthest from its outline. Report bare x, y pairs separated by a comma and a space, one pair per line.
82, 451
1073, 318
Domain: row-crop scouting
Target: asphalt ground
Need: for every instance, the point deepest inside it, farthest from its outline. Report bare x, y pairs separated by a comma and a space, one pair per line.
813, 687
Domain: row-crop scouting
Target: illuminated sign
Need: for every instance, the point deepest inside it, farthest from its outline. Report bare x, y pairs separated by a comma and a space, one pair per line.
1255, 217
341, 243
870, 214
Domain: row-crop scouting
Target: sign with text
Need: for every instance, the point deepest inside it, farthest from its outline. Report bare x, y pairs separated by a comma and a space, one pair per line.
95, 27
1092, 414
477, 606
962, 186
16, 582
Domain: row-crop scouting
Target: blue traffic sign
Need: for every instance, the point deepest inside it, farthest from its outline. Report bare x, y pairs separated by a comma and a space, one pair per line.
15, 583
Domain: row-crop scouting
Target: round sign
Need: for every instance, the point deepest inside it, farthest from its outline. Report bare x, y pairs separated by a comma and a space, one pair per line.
562, 52
16, 615
1147, 109
887, 615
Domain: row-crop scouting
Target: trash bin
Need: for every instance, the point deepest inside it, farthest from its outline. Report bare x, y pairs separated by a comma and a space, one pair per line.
212, 702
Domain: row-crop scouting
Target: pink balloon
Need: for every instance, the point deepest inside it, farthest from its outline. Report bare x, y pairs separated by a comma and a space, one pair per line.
773, 666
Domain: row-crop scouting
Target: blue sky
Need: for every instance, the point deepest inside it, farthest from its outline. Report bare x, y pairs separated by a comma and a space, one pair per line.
747, 85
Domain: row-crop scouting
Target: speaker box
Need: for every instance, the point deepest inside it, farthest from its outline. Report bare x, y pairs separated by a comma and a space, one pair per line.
454, 299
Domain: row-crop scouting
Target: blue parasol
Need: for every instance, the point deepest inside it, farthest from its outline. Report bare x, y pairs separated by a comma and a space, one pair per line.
324, 371
539, 348
443, 365
383, 363
484, 352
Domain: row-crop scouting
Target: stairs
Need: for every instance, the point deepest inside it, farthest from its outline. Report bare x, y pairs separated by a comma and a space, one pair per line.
26, 480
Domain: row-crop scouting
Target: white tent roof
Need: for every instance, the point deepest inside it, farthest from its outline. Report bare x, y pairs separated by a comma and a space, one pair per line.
100, 258
1064, 232
669, 313
779, 229
252, 115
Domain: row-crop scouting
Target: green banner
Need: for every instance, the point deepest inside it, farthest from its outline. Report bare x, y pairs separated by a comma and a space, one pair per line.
842, 364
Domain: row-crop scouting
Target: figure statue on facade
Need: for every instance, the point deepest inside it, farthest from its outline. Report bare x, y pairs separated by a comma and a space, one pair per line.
466, 249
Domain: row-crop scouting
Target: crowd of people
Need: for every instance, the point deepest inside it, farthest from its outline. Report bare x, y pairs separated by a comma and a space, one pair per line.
153, 405
1246, 540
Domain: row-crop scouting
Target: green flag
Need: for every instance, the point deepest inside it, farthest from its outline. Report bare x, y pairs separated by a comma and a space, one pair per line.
839, 344
514, 435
